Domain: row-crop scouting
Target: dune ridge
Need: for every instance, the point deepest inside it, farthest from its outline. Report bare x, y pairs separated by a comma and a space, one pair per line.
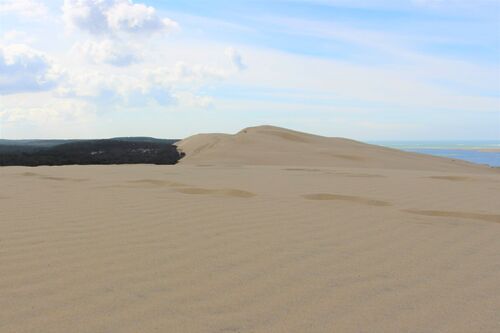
270, 145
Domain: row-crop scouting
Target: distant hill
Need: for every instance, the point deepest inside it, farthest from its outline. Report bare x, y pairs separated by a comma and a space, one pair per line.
108, 151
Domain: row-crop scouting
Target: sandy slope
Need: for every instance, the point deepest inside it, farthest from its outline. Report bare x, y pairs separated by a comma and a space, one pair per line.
249, 248
269, 145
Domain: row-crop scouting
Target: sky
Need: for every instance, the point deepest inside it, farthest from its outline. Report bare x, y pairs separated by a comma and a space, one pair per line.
363, 69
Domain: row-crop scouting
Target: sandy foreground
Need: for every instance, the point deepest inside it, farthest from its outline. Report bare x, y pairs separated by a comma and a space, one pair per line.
228, 247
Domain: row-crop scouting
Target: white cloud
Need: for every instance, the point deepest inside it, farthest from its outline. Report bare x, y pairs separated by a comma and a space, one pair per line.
25, 8
86, 15
53, 110
236, 58
95, 86
23, 69
114, 21
191, 100
182, 73
397, 51
39, 115
107, 51
391, 87
164, 86
114, 16
15, 36
134, 18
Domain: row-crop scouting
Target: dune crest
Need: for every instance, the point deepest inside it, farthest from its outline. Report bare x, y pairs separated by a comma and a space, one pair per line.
270, 145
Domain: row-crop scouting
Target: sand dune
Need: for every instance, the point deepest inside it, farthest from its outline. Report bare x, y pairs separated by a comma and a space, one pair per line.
217, 244
269, 145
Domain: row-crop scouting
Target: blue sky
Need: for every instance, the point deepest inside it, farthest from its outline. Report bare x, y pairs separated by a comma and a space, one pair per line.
364, 69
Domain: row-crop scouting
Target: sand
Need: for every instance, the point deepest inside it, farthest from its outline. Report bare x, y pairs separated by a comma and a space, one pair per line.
229, 245
269, 145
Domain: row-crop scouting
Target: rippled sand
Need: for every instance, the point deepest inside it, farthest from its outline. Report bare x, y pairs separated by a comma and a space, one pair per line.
249, 248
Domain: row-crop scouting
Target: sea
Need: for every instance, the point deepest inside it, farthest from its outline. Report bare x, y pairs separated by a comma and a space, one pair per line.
480, 152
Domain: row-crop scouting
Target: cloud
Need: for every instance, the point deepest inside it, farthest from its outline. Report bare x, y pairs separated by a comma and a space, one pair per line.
23, 69
236, 59
115, 90
38, 115
114, 21
15, 36
24, 8
107, 51
114, 16
162, 86
182, 73
93, 85
52, 110
136, 18
194, 101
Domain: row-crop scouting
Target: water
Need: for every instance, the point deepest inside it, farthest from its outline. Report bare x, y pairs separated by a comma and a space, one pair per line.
480, 152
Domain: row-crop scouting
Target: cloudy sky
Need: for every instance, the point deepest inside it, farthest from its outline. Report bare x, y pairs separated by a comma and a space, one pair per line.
365, 69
